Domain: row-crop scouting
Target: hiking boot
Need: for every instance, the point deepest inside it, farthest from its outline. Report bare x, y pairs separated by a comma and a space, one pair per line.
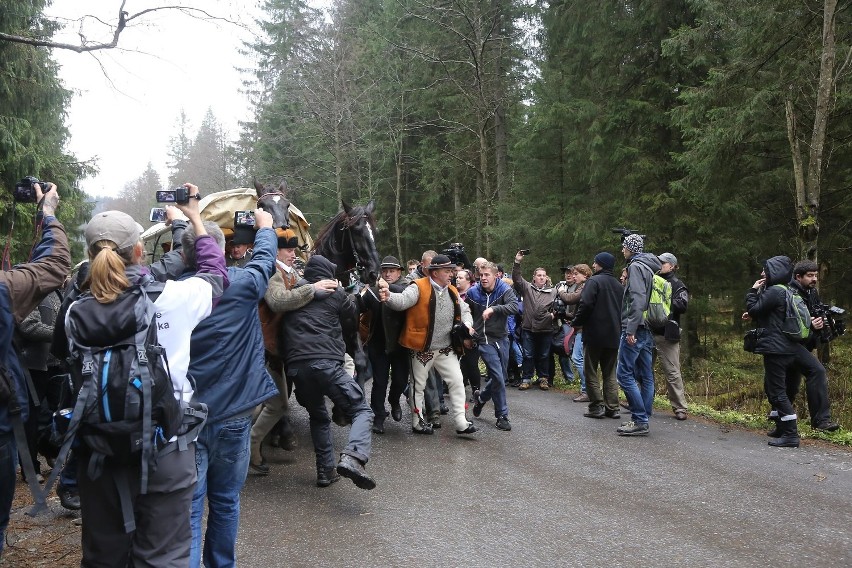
326, 477
525, 385
597, 412
582, 397
633, 429
478, 405
445, 409
69, 497
469, 430
612, 413
503, 424
827, 426
353, 469
378, 427
259, 469
435, 420
543, 384
680, 415
788, 435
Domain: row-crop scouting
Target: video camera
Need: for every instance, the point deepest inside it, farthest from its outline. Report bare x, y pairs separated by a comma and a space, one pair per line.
624, 232
455, 252
24, 191
833, 317
176, 195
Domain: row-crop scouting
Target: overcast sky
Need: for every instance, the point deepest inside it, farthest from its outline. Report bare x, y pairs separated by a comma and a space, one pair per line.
127, 100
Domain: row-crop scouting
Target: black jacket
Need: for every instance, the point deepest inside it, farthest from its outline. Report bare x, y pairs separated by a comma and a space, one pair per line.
314, 331
385, 324
767, 307
599, 312
680, 300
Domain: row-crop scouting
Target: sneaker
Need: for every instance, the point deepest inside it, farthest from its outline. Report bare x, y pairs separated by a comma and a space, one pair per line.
259, 469
471, 429
478, 405
633, 429
503, 424
524, 386
435, 420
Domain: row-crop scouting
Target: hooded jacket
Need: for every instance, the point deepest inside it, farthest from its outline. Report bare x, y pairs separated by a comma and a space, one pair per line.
767, 306
640, 278
314, 331
502, 300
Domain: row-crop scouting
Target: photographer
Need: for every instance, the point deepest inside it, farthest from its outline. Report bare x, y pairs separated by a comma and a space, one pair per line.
21, 289
804, 282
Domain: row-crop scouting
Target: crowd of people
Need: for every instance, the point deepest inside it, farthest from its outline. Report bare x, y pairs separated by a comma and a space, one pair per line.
239, 331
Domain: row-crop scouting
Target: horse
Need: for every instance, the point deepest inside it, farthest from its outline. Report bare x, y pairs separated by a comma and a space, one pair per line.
349, 241
274, 202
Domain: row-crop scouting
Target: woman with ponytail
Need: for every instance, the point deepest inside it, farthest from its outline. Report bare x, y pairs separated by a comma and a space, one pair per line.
161, 536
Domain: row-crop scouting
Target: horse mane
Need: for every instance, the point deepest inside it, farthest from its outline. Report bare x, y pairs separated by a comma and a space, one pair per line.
325, 243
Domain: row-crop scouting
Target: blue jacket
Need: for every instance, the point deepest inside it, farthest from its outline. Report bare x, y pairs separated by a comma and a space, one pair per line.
502, 300
21, 289
226, 352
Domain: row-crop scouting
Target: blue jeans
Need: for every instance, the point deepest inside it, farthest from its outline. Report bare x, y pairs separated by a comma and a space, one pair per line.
577, 359
518, 355
222, 457
536, 354
8, 459
636, 374
496, 358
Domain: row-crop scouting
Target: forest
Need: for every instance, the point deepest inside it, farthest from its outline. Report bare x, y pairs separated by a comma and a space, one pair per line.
720, 130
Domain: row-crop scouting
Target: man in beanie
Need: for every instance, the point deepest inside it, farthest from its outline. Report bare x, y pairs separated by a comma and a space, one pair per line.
667, 338
635, 370
434, 312
598, 318
314, 348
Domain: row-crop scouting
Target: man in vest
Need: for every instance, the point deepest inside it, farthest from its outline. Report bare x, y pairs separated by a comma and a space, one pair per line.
667, 338
434, 311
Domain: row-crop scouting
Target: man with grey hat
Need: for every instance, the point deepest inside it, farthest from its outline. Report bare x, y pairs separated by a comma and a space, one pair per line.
667, 338
434, 312
635, 372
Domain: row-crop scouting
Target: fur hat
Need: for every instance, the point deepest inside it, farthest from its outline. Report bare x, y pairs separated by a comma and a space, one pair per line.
634, 243
605, 260
286, 239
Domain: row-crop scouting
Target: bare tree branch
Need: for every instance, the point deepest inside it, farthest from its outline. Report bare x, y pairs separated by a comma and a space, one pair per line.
123, 19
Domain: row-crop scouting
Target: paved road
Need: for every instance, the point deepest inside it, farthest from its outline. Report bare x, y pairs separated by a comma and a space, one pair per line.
559, 490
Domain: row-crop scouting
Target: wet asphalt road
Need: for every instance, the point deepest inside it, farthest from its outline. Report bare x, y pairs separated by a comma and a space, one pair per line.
558, 490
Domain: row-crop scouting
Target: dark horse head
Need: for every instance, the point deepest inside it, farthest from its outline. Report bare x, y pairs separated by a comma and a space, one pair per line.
349, 241
274, 202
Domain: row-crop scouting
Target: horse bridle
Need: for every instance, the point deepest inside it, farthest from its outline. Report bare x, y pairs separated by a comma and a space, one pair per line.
346, 227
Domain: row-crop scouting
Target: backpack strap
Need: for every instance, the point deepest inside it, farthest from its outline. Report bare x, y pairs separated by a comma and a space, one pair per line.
145, 312
14, 408
122, 485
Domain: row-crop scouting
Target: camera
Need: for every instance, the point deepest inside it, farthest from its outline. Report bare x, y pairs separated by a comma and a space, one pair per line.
455, 252
24, 191
524, 252
158, 215
244, 219
833, 317
624, 232
176, 195
559, 308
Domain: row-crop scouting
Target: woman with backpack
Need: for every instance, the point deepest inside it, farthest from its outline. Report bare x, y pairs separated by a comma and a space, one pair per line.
136, 503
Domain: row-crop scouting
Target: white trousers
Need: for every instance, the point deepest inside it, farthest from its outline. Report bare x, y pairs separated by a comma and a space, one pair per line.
446, 362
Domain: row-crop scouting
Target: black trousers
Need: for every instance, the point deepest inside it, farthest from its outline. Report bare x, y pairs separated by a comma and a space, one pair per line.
470, 368
816, 384
163, 535
387, 368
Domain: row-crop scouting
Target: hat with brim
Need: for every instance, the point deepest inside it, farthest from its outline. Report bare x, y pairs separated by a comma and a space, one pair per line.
390, 262
287, 239
114, 226
568, 268
441, 261
243, 236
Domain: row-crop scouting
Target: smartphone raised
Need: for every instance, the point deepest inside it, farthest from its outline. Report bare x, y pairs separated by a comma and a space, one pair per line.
524, 252
244, 219
158, 215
